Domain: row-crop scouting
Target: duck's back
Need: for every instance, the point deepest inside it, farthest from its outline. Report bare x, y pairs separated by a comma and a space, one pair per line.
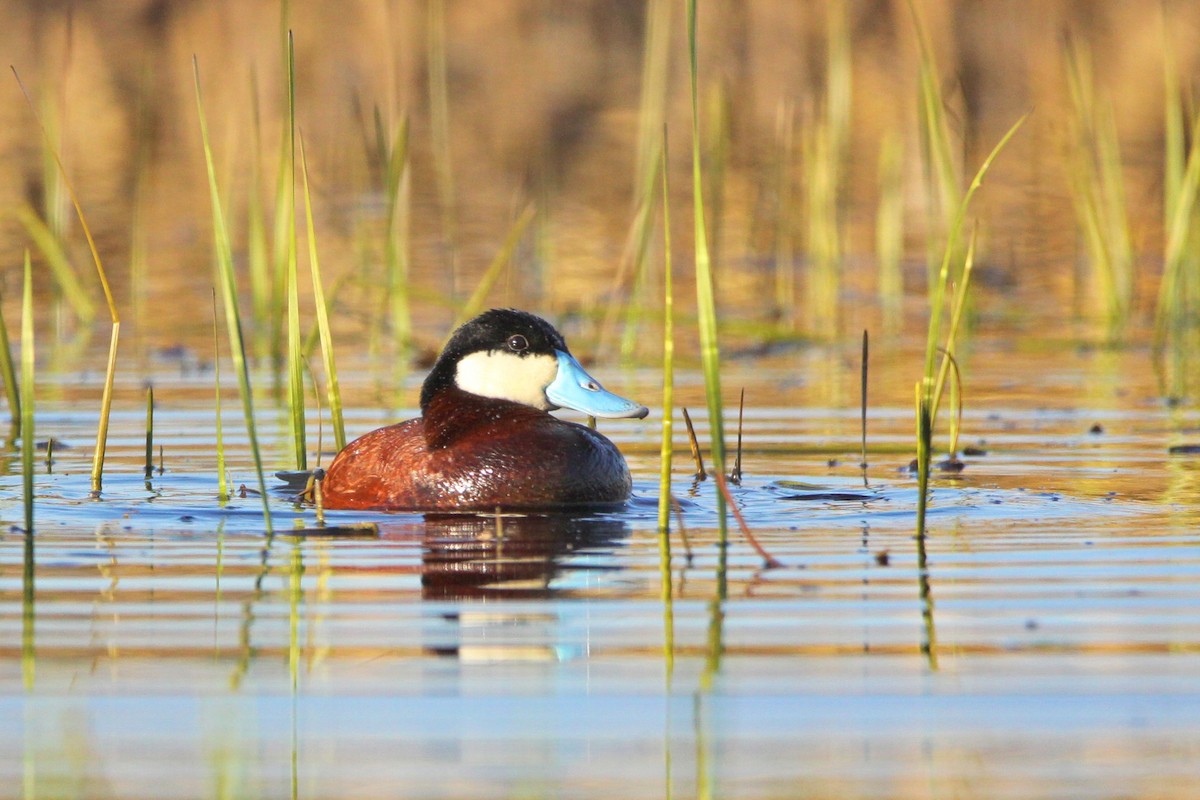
521, 458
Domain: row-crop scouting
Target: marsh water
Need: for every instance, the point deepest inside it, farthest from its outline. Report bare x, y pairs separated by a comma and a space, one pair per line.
170, 648
157, 641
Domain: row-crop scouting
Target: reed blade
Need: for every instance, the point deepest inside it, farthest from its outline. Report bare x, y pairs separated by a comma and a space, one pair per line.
333, 391
28, 365
233, 321
705, 298
12, 386
28, 445
667, 450
111, 369
295, 343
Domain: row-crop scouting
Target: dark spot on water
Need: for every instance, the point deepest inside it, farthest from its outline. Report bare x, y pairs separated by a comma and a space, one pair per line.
1031, 625
57, 444
1096, 429
831, 463
974, 451
187, 518
883, 558
951, 464
1184, 449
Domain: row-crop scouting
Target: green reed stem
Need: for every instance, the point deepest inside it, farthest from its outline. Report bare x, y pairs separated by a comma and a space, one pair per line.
149, 467
668, 410
111, 370
233, 321
332, 389
295, 359
929, 388
941, 174
956, 316
12, 387
705, 299
28, 364
953, 245
28, 445
222, 481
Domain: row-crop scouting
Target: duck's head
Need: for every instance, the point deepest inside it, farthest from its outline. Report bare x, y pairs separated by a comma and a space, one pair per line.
514, 355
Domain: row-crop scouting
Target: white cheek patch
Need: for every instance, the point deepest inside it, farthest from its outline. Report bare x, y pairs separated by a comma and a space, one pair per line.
507, 376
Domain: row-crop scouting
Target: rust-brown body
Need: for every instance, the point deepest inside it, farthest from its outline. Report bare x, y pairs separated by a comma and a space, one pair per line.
468, 452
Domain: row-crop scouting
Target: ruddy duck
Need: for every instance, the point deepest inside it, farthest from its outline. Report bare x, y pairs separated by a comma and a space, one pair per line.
485, 439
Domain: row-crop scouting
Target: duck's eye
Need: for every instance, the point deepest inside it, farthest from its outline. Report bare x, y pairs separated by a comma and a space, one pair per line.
518, 343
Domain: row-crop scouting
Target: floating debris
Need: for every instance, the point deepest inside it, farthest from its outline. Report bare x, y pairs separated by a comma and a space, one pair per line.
1184, 449
357, 530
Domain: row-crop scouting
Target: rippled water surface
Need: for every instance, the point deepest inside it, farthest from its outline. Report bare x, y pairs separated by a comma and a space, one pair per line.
170, 649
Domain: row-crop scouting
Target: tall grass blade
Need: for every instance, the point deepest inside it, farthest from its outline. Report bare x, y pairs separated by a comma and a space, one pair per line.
667, 450
222, 480
148, 469
334, 392
111, 369
12, 387
295, 343
28, 364
941, 172
705, 298
233, 321
929, 388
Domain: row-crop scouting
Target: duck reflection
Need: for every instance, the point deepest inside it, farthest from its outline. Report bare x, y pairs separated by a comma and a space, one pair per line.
469, 555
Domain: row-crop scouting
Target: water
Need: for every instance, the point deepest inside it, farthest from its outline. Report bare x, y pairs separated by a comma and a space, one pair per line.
157, 643
174, 651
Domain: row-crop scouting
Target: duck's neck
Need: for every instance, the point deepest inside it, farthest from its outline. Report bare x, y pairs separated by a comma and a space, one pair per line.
451, 413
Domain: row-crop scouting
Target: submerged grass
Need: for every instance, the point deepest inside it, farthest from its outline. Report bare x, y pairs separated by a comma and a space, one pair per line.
228, 281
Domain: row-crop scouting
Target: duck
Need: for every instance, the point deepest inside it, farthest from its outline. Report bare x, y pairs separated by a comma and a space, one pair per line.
486, 440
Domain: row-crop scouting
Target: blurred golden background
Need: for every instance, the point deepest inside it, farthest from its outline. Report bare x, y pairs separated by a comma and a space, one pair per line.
542, 105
